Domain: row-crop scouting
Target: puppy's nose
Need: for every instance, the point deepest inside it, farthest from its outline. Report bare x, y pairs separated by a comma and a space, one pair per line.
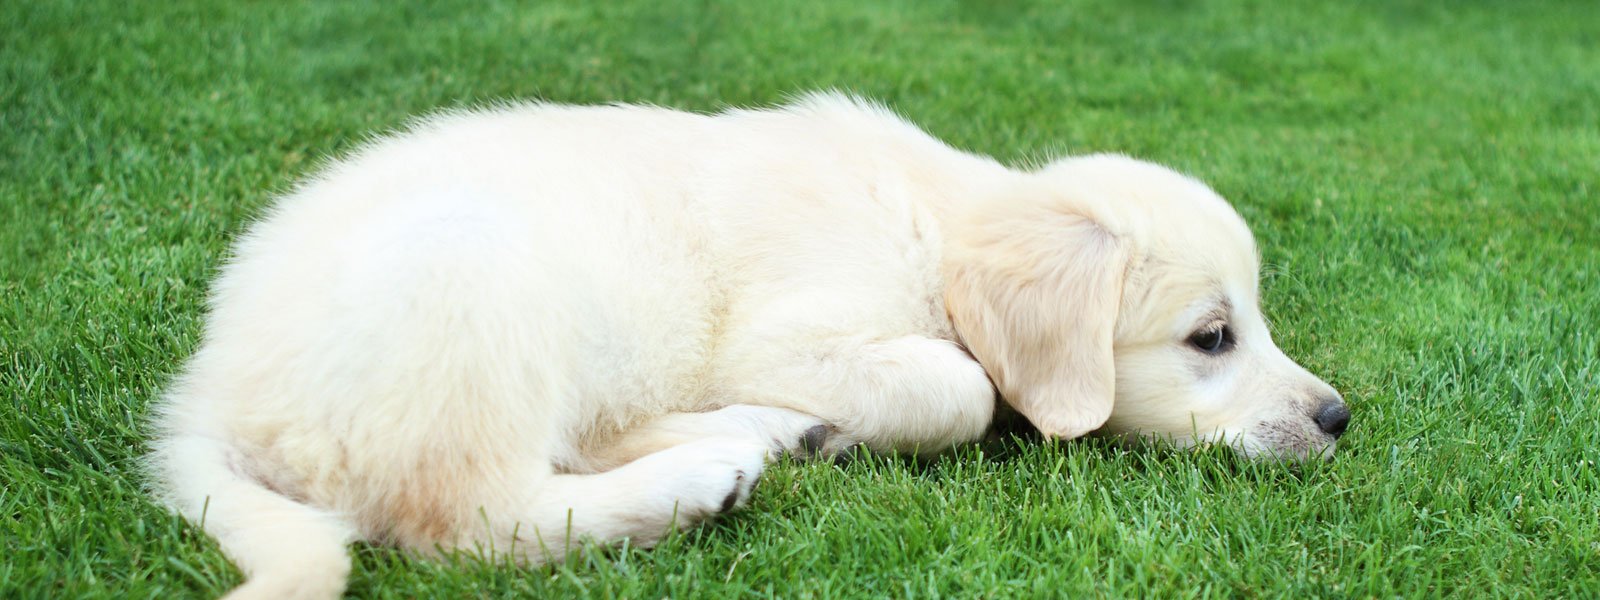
1333, 417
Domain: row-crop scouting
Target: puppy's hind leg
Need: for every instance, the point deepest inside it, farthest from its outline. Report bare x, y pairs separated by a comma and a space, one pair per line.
672, 489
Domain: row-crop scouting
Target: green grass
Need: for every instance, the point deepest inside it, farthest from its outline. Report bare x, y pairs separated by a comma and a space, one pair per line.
1423, 179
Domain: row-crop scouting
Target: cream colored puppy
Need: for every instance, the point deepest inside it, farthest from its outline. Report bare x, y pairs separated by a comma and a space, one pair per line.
518, 328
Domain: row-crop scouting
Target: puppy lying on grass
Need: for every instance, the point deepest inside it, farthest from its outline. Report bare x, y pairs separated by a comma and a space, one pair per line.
518, 327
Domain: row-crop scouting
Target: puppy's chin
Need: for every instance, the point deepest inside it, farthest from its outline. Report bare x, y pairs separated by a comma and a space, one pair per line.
1248, 445
1308, 451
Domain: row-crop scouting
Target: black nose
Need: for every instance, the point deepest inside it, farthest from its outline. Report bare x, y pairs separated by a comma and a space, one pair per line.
1333, 417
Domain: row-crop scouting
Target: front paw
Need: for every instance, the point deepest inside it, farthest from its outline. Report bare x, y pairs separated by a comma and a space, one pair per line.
784, 431
826, 442
812, 441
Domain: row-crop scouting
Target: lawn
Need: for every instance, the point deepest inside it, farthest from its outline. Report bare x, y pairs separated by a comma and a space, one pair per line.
1422, 178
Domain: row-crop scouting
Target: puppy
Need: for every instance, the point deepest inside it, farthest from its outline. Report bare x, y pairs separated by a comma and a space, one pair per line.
523, 327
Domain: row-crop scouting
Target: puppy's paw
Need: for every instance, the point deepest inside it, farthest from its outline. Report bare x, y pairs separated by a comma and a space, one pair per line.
784, 431
812, 441
714, 477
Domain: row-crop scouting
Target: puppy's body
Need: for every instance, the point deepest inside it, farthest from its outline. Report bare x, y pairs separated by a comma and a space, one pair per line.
516, 328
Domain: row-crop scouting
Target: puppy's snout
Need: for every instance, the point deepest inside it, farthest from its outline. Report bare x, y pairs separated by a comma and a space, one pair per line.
1332, 417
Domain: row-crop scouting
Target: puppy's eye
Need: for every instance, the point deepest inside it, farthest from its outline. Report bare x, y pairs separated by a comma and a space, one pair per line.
1213, 340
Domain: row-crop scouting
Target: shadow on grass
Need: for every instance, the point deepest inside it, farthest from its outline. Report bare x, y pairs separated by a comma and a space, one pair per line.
1014, 443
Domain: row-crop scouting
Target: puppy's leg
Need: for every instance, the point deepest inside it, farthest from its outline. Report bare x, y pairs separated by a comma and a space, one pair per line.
908, 394
779, 429
675, 488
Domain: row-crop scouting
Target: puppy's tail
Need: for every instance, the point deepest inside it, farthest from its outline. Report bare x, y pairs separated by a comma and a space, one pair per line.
286, 549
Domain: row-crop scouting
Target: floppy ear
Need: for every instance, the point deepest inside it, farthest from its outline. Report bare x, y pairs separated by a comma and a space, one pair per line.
1034, 295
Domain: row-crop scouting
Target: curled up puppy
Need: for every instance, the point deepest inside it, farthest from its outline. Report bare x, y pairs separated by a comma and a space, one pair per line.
516, 327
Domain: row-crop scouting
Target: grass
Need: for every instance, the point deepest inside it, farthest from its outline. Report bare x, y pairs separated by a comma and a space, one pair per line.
1422, 178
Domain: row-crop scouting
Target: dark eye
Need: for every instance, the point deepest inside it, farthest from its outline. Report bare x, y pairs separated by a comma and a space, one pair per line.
1212, 341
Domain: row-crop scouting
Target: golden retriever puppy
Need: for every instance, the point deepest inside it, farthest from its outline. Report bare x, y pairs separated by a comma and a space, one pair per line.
524, 327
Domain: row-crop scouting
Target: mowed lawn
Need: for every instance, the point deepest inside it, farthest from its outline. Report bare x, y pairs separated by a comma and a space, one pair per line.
1422, 178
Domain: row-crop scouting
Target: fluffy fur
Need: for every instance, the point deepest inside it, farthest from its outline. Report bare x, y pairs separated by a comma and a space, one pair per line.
523, 327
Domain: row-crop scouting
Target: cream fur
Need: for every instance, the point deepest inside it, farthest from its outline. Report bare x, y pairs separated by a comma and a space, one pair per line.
508, 330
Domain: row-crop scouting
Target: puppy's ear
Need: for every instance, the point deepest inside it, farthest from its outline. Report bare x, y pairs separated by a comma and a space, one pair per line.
1034, 295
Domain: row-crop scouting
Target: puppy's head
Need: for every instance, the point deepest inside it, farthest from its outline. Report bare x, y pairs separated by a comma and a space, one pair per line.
1108, 294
